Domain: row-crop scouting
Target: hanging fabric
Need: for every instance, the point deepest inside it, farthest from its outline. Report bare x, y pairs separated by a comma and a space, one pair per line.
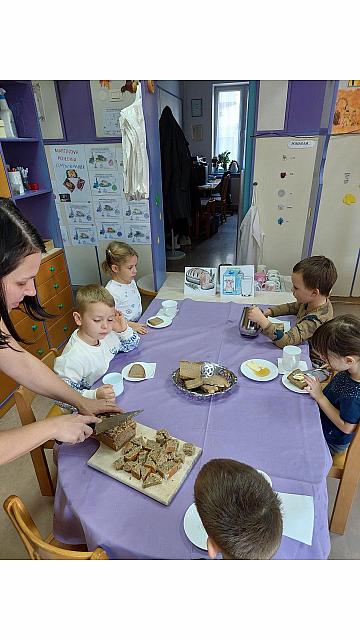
251, 236
135, 158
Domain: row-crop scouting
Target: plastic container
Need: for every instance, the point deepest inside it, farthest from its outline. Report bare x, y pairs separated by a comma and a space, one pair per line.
16, 182
7, 116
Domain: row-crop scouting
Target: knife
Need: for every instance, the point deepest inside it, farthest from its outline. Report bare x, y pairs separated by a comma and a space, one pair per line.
111, 420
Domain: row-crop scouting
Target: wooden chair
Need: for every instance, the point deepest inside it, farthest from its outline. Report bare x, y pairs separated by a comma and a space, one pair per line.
24, 399
205, 221
50, 548
346, 468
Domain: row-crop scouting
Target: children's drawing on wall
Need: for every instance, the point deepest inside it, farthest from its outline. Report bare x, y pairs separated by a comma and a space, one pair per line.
107, 208
79, 213
137, 233
83, 234
101, 157
237, 280
137, 211
72, 179
200, 281
110, 230
347, 111
105, 183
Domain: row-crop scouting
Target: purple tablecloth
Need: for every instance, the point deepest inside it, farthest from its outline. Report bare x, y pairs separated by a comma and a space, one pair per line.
262, 424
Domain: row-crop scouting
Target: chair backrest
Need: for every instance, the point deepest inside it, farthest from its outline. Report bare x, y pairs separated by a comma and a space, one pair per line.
345, 468
24, 397
37, 548
224, 187
211, 205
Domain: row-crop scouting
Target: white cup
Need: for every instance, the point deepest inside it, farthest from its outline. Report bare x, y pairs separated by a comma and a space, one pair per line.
291, 357
116, 380
273, 272
270, 285
170, 308
261, 267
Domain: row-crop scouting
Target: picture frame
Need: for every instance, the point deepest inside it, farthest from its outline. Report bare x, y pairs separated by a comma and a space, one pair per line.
196, 107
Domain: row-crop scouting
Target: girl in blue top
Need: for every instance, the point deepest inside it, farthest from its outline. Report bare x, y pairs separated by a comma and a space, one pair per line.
338, 341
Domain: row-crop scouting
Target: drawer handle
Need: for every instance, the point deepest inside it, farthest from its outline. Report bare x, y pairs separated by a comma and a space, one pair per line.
40, 352
56, 286
60, 306
66, 327
34, 327
52, 268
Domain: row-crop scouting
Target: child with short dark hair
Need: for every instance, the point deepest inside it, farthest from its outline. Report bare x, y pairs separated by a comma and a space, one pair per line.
338, 341
312, 279
239, 510
102, 334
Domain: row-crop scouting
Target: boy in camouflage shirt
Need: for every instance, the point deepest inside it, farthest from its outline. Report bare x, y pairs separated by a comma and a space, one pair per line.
313, 279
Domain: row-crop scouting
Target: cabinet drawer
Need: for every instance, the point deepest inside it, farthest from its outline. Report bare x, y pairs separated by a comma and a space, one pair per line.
17, 315
38, 348
30, 329
53, 286
51, 267
7, 386
61, 330
59, 305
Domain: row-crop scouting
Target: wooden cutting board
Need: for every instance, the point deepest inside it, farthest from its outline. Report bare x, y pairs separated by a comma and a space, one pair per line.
104, 458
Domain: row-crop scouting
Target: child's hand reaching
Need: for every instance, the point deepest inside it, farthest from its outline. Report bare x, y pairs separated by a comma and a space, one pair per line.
267, 312
139, 327
314, 388
256, 315
120, 323
105, 392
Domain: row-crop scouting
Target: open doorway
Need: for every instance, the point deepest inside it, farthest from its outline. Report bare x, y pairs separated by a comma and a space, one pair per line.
212, 115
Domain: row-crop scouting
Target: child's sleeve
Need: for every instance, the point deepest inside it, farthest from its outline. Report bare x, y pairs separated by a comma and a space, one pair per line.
302, 331
350, 410
288, 309
71, 370
126, 340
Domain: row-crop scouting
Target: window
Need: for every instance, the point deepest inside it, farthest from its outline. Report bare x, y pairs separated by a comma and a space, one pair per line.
230, 110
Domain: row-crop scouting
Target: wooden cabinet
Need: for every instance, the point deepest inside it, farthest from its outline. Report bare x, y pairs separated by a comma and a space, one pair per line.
55, 294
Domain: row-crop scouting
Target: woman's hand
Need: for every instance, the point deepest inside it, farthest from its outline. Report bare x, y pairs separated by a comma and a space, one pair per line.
314, 388
87, 407
105, 392
71, 428
120, 323
139, 328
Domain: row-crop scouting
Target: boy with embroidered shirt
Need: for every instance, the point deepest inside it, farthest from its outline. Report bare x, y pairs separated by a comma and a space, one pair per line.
312, 279
102, 334
239, 510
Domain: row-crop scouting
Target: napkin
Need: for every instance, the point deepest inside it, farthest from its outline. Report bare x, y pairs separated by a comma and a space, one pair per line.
298, 516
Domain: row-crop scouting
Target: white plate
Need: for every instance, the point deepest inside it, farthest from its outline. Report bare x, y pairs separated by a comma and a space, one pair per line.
193, 526
286, 323
167, 322
149, 371
290, 386
246, 371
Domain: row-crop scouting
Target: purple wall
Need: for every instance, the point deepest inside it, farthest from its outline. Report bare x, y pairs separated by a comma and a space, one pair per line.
304, 106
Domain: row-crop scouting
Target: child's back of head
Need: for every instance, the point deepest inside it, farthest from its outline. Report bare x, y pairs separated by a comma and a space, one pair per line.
90, 294
117, 253
239, 510
339, 336
317, 272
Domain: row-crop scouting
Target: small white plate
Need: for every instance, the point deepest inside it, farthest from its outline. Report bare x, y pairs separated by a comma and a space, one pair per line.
286, 323
167, 322
246, 371
290, 386
193, 526
149, 371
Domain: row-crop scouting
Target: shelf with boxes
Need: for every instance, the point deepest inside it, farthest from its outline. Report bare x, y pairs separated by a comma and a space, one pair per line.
55, 295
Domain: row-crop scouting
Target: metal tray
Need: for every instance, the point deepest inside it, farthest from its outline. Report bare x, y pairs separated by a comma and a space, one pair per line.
207, 369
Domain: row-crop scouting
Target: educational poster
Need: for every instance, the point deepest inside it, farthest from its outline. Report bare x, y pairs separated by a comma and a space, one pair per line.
107, 208
136, 211
79, 213
110, 230
200, 281
101, 157
101, 183
71, 175
111, 125
347, 111
109, 97
237, 281
83, 234
137, 234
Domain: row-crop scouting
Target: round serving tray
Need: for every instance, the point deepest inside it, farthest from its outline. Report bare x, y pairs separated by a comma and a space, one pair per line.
207, 369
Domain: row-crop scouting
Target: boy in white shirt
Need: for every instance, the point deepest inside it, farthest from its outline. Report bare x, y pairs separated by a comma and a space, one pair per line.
120, 264
102, 334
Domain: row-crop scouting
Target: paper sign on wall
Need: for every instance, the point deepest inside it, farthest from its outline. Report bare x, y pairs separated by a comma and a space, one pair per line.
105, 183
107, 208
72, 179
137, 233
101, 157
136, 211
110, 230
83, 234
79, 213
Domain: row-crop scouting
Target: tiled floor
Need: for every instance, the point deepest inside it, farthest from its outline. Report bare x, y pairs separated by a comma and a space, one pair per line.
18, 477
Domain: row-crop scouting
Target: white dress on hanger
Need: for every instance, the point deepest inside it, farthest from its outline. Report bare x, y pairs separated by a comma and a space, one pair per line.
251, 238
135, 158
